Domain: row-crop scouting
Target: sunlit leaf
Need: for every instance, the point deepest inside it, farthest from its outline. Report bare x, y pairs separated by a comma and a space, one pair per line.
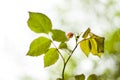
63, 45
39, 22
80, 77
59, 35
92, 77
97, 44
85, 35
51, 57
85, 46
94, 46
39, 46
92, 35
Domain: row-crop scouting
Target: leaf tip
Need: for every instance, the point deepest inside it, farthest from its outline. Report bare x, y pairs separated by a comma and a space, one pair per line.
85, 35
28, 53
29, 12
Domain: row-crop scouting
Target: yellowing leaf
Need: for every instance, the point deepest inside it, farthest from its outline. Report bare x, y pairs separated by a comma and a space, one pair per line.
85, 46
99, 54
39, 46
51, 56
93, 46
85, 35
100, 43
97, 45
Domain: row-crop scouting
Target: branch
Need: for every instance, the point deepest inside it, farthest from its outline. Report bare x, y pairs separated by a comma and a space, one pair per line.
68, 60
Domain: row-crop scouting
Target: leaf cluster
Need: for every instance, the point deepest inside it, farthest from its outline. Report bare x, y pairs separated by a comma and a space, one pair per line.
40, 23
92, 43
82, 77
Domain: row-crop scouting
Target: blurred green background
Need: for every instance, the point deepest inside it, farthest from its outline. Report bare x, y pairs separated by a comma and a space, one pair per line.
103, 17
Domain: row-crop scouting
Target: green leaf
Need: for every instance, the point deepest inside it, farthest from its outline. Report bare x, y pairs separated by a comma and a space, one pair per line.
39, 46
112, 43
51, 57
59, 35
117, 14
80, 77
58, 79
39, 22
85, 46
92, 77
63, 45
85, 35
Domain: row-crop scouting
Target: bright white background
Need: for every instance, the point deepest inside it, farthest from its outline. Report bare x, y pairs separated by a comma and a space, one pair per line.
15, 37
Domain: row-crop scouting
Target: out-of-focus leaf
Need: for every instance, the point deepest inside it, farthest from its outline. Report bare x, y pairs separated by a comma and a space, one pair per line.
80, 77
85, 46
63, 45
85, 35
59, 35
92, 77
39, 22
112, 43
117, 14
58, 79
51, 56
39, 46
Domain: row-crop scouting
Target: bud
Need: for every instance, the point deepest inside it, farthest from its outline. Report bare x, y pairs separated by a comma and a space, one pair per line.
70, 35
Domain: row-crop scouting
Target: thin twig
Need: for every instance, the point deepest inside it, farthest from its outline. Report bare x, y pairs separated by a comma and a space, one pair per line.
57, 49
58, 52
67, 61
